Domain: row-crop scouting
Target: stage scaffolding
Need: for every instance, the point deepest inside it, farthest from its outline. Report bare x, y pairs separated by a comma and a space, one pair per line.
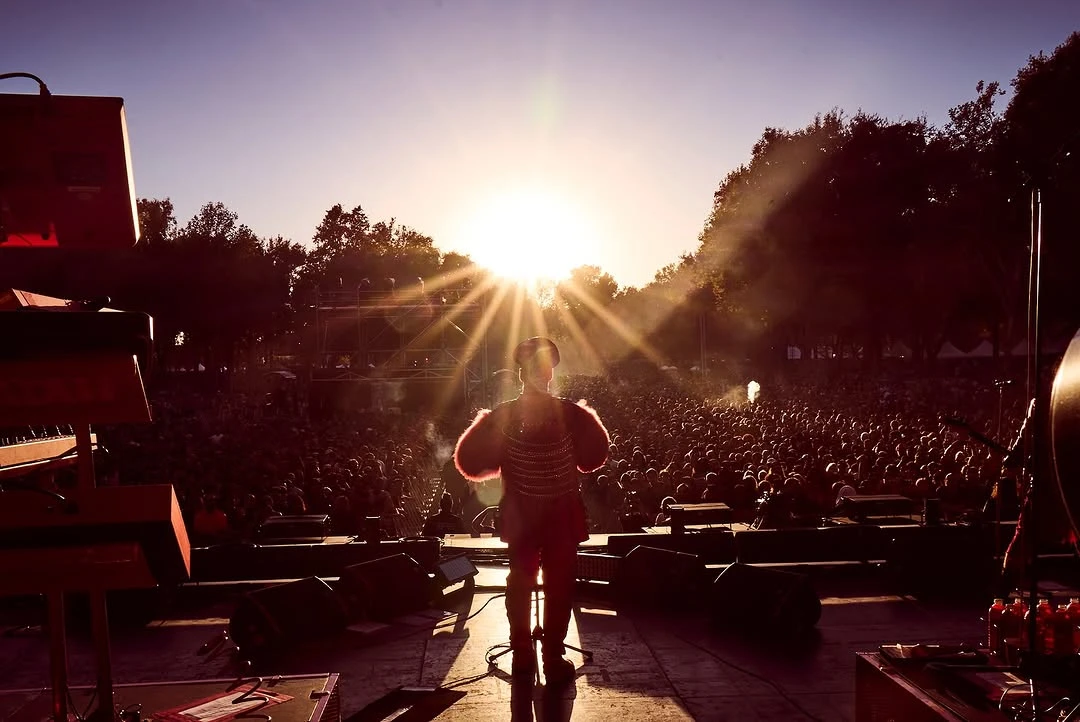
378, 337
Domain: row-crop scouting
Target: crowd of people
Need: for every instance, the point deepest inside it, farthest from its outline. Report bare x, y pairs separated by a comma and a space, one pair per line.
799, 446
235, 465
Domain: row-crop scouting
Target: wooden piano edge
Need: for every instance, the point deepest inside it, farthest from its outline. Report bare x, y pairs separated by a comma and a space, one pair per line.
19, 459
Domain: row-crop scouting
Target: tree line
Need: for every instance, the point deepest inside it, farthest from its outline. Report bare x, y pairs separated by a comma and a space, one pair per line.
842, 237
855, 232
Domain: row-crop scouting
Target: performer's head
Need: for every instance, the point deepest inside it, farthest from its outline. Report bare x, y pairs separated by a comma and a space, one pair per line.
536, 358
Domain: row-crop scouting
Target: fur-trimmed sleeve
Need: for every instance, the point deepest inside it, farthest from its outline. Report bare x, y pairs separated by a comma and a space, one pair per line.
478, 454
591, 439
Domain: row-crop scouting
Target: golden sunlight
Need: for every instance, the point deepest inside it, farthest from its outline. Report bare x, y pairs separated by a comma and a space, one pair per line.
529, 236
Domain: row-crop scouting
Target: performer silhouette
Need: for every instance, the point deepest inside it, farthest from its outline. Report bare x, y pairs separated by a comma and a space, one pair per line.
538, 443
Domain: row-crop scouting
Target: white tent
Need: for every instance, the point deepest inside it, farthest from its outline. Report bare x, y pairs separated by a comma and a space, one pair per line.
950, 351
983, 350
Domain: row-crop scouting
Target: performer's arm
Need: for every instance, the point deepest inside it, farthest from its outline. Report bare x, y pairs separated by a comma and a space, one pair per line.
591, 439
479, 450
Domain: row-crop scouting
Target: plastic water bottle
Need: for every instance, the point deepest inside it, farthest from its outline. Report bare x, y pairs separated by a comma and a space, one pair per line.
1074, 622
1044, 618
1063, 632
994, 636
1019, 608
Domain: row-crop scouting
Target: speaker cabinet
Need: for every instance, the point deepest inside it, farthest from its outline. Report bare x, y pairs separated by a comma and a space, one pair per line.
659, 577
597, 567
270, 619
763, 599
386, 588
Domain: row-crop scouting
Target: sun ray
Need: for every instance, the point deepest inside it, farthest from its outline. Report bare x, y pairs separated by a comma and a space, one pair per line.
477, 337
449, 318
446, 279
486, 320
580, 338
613, 322
515, 321
538, 320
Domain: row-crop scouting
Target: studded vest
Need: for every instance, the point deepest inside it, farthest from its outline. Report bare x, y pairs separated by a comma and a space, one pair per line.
538, 455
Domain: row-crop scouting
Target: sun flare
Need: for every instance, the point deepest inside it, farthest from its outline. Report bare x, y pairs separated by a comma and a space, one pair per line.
529, 236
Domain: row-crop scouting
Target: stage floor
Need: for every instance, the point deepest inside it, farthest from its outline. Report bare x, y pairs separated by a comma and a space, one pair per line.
653, 667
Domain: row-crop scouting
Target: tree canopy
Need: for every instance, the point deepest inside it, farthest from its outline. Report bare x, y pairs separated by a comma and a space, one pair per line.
843, 236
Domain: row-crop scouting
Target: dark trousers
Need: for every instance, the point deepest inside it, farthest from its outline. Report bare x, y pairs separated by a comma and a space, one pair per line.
557, 554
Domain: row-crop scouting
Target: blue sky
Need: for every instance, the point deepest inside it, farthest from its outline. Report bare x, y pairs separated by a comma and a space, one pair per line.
621, 116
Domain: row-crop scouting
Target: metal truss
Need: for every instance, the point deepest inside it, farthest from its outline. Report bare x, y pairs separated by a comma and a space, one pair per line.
366, 336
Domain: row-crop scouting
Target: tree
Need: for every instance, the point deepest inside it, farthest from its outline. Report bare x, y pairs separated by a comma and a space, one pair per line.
1041, 150
339, 234
587, 289
157, 220
217, 227
973, 214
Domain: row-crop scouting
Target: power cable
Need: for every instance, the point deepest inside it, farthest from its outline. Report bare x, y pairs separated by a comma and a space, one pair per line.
42, 88
443, 624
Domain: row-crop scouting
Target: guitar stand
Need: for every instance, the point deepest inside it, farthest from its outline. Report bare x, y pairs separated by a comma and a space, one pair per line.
537, 637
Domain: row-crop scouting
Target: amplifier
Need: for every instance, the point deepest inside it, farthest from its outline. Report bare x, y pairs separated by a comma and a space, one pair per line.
706, 513
294, 529
597, 567
861, 506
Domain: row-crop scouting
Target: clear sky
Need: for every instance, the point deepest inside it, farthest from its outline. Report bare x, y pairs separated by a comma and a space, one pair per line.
610, 122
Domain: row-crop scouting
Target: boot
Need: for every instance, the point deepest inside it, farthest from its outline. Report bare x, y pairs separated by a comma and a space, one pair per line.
558, 670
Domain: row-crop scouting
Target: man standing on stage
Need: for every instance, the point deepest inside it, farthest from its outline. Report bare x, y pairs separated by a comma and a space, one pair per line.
538, 443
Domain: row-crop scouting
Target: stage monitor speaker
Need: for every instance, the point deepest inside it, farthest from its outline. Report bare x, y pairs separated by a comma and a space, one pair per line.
455, 569
597, 567
763, 599
659, 577
294, 529
270, 619
66, 170
386, 588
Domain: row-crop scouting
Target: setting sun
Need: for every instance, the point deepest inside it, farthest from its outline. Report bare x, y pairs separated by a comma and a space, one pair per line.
528, 236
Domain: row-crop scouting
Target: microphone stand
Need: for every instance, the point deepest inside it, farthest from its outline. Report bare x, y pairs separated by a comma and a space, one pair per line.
994, 494
1036, 447
1000, 384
